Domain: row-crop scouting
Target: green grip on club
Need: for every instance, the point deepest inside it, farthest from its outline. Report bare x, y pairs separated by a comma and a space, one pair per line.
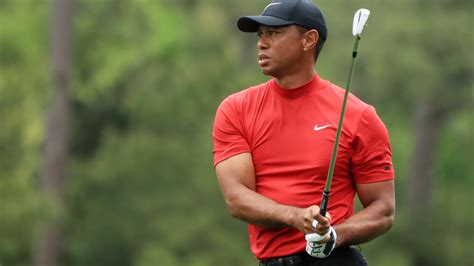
332, 164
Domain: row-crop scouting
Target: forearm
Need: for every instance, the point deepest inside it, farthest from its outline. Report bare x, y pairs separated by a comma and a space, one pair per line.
365, 225
253, 208
237, 180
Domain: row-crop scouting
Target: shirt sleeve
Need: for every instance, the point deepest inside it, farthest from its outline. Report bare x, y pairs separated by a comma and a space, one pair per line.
372, 156
228, 133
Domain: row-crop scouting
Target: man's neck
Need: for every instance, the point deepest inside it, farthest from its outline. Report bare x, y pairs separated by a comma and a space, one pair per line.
296, 80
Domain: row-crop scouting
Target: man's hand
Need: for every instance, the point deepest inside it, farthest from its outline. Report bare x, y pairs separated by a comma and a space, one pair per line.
316, 246
303, 221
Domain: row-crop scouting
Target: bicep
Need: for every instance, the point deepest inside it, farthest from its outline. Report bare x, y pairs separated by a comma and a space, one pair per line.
371, 161
235, 173
383, 192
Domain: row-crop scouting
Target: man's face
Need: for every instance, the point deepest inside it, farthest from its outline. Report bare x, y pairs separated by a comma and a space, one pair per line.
280, 50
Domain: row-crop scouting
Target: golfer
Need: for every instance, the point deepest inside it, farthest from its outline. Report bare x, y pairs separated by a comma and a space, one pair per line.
273, 144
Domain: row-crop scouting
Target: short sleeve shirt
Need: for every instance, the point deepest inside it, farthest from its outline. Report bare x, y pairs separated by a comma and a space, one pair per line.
290, 134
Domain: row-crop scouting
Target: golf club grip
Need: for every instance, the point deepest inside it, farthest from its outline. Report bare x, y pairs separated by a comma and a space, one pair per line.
324, 203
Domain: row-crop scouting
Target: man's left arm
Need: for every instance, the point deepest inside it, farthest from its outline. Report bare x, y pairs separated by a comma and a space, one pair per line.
376, 218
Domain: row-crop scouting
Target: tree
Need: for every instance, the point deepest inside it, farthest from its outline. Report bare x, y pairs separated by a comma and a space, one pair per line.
56, 146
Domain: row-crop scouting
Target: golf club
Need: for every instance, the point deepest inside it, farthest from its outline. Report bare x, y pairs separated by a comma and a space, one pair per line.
358, 25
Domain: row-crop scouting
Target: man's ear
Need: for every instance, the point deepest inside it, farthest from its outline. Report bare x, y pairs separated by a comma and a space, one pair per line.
310, 39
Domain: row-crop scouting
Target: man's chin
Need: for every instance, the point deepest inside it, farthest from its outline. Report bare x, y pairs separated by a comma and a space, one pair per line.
267, 71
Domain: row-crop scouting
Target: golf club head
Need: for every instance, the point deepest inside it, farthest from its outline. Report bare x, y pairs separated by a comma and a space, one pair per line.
360, 20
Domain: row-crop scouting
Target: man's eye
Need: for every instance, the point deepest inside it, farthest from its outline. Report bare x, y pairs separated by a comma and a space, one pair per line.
259, 34
272, 32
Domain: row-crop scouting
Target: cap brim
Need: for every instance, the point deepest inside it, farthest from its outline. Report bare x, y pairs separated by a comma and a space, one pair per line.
251, 23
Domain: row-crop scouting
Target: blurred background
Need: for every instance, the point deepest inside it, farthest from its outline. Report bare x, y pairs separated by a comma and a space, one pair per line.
106, 112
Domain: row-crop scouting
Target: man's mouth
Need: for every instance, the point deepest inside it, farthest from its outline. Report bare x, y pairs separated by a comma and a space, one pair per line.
263, 59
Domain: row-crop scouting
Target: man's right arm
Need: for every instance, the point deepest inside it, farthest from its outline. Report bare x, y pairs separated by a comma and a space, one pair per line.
236, 176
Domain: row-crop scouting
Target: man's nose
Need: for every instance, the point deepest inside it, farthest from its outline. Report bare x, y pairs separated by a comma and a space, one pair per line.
262, 42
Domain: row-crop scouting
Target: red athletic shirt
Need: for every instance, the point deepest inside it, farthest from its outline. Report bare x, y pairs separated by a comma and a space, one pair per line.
290, 135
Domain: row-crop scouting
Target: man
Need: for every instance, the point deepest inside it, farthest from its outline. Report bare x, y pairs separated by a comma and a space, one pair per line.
273, 143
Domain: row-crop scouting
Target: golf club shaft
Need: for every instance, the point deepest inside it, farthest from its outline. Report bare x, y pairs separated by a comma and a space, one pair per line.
332, 164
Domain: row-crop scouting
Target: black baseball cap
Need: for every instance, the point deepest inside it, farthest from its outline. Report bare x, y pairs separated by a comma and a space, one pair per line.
282, 13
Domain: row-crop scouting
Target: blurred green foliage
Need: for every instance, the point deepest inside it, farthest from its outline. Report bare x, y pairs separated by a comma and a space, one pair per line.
148, 76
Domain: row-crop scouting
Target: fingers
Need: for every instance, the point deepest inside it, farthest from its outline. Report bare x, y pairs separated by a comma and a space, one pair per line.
309, 221
308, 218
322, 223
326, 238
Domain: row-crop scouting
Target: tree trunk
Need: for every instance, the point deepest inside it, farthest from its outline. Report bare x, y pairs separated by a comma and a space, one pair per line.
428, 122
248, 50
48, 249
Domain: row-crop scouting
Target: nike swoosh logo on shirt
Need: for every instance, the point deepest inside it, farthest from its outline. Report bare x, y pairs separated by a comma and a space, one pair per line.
320, 128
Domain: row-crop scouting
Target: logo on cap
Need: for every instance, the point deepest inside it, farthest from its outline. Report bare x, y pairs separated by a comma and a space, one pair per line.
269, 5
